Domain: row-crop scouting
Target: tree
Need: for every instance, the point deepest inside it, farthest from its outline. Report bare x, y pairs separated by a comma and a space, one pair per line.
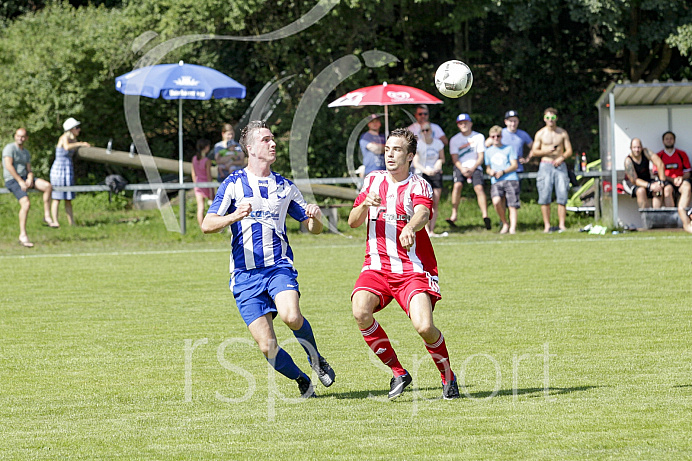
640, 32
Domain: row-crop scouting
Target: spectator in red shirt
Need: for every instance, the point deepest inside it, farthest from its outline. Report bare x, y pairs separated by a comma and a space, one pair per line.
677, 172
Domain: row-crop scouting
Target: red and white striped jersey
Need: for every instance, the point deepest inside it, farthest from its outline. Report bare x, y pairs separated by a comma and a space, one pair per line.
383, 249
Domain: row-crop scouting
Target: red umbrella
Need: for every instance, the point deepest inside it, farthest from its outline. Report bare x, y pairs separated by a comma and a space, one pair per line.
385, 95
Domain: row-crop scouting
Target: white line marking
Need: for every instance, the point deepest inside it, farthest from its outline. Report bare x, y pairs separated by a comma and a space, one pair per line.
359, 244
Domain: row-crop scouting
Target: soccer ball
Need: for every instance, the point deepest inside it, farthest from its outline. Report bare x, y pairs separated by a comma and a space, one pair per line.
453, 79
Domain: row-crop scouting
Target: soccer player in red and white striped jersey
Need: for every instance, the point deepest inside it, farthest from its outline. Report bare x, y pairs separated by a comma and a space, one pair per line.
399, 262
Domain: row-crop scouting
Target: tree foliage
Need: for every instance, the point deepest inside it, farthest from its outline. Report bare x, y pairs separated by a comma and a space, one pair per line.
525, 55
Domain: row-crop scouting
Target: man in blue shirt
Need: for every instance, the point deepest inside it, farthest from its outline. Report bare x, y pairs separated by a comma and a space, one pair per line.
514, 137
372, 146
501, 166
254, 202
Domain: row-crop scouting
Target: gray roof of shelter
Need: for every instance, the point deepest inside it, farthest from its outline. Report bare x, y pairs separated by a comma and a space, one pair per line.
648, 94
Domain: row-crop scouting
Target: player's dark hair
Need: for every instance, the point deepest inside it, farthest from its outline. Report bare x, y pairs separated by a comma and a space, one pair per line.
552, 110
670, 133
247, 135
200, 146
411, 139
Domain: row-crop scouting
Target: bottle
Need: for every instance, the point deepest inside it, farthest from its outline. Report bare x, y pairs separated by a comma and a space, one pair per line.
132, 150
109, 147
583, 162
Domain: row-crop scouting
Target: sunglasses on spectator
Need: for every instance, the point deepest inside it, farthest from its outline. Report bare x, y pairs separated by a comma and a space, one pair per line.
425, 130
422, 113
550, 117
495, 135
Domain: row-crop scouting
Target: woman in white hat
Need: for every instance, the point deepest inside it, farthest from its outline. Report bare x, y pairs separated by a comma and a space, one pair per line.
62, 171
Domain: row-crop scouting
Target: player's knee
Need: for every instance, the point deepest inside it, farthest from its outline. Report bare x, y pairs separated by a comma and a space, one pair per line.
362, 315
294, 320
268, 348
425, 329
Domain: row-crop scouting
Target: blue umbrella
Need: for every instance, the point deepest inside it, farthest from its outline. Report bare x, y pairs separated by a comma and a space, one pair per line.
179, 81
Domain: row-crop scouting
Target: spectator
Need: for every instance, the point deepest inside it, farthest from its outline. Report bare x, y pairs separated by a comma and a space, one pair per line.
227, 154
638, 181
501, 165
201, 172
422, 115
466, 149
372, 146
677, 171
62, 171
514, 137
399, 262
553, 146
428, 161
255, 202
16, 162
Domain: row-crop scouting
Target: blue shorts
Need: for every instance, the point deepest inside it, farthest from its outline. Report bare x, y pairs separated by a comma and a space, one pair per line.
255, 289
549, 177
14, 187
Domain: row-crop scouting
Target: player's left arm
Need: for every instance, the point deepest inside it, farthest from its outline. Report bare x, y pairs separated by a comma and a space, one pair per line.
314, 222
421, 216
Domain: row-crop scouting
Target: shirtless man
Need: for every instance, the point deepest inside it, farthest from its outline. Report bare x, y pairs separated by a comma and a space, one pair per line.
552, 145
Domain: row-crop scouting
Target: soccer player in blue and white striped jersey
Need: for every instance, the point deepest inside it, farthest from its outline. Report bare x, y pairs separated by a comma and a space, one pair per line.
254, 202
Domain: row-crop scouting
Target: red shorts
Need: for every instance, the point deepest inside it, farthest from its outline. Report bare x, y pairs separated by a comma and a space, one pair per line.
402, 287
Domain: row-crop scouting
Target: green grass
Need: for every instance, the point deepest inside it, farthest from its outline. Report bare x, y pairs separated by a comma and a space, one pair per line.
96, 321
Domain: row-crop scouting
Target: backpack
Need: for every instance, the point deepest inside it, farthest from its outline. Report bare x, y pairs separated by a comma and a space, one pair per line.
116, 183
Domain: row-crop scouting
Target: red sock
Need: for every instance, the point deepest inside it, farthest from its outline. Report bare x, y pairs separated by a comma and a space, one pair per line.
440, 356
379, 343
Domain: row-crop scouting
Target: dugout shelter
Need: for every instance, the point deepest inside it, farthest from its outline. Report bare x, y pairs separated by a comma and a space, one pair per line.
638, 110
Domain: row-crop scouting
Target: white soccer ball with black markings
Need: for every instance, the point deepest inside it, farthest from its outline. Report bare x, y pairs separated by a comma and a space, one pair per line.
453, 79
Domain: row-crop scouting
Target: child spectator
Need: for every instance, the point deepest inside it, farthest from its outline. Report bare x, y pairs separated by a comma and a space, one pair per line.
201, 172
501, 166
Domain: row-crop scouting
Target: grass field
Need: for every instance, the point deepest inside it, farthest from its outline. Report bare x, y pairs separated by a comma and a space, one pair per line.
120, 340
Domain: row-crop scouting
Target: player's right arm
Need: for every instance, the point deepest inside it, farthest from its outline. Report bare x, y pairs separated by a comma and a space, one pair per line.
360, 213
215, 223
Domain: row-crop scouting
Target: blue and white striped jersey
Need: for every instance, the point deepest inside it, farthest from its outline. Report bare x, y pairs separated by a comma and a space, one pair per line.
260, 239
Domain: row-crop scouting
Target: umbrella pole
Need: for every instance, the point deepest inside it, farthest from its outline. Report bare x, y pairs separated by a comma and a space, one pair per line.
386, 122
181, 192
